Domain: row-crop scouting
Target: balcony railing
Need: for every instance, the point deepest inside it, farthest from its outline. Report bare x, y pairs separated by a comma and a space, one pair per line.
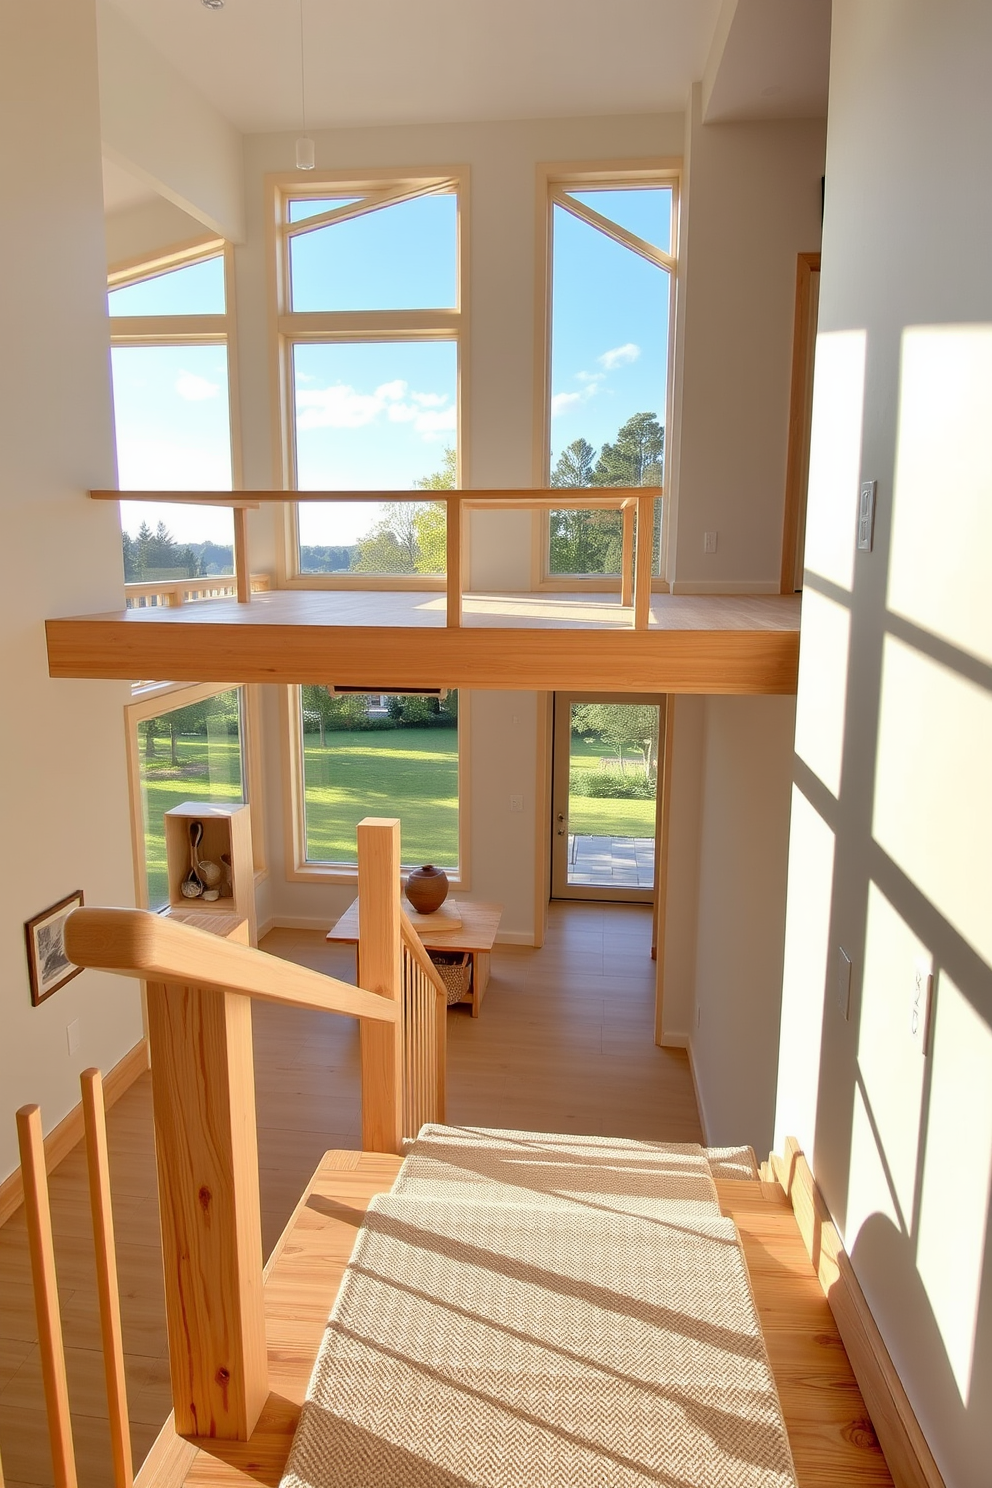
167, 593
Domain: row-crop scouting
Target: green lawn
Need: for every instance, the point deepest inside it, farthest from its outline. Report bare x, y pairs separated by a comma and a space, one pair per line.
409, 773
209, 770
591, 817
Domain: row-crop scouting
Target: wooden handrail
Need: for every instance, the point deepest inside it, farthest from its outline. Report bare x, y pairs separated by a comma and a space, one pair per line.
135, 942
415, 946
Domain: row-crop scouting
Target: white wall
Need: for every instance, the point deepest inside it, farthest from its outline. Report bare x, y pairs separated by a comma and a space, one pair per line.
743, 849
65, 807
163, 131
892, 815
678, 969
753, 205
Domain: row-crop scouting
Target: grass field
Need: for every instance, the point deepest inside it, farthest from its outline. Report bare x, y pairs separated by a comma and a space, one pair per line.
209, 770
409, 773
591, 817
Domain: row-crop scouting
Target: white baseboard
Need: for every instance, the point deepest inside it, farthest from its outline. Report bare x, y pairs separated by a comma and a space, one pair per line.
699, 1100
726, 586
514, 937
674, 1041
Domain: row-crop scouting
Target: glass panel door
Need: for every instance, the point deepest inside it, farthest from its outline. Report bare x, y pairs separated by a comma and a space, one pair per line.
605, 797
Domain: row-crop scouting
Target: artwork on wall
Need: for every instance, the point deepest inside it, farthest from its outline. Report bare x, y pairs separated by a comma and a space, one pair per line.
48, 965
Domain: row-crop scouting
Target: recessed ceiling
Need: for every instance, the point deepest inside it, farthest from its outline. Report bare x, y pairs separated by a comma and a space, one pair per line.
775, 63
393, 62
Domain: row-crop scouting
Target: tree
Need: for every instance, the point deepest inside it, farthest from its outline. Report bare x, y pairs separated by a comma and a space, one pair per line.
156, 554
636, 457
443, 479
391, 547
622, 725
575, 465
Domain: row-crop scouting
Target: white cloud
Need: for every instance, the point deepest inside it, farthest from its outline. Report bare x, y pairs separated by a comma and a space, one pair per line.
341, 407
619, 356
194, 388
588, 377
562, 402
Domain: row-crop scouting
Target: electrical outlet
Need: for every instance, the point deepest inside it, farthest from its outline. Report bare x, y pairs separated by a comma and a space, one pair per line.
842, 983
709, 542
73, 1037
699, 1015
919, 1022
516, 803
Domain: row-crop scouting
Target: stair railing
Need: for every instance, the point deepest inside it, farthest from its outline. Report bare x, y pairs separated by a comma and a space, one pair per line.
425, 1034
199, 990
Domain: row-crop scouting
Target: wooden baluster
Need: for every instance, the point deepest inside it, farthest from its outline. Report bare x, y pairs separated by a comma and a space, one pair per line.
454, 560
628, 513
242, 567
46, 1299
643, 563
95, 1122
381, 971
441, 1035
203, 1095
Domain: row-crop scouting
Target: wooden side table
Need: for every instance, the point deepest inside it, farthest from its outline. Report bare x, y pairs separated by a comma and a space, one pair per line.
476, 935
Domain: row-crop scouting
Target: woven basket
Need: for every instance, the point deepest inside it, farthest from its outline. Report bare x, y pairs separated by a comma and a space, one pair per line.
455, 972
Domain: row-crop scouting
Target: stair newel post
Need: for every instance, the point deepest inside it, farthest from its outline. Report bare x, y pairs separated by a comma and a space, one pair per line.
380, 970
206, 1148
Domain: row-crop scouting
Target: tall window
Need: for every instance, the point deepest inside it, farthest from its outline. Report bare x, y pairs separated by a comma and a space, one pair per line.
384, 754
172, 411
612, 284
369, 314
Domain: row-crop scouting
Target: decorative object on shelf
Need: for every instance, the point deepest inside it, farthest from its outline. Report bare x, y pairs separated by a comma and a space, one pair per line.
427, 888
226, 885
49, 968
210, 876
455, 972
192, 885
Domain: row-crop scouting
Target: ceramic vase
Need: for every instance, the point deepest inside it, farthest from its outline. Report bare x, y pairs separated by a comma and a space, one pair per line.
427, 888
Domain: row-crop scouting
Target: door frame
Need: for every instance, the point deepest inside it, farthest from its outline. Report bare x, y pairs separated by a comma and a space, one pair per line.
560, 755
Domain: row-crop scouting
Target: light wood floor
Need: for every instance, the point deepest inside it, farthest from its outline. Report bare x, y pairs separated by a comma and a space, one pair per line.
564, 1043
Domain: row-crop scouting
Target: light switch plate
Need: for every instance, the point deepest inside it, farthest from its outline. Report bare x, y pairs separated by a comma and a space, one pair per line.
516, 803
866, 516
709, 542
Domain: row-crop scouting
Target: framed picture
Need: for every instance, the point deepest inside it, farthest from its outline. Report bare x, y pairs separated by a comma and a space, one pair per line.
48, 965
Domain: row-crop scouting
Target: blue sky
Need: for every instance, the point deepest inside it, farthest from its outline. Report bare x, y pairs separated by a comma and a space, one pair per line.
380, 414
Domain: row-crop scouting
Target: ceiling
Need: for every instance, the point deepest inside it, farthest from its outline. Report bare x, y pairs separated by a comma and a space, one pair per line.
393, 62
121, 189
775, 63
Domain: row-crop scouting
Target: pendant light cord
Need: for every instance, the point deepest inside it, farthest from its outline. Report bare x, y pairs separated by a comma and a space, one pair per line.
303, 73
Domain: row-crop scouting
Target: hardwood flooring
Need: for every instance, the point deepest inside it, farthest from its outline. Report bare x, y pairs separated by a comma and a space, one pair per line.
564, 1043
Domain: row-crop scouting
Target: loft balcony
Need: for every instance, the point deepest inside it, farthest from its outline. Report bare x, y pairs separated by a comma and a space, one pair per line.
631, 639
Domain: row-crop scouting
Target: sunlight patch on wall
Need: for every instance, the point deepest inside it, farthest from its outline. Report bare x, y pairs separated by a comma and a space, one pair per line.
933, 811
820, 708
891, 1062
942, 503
811, 867
956, 1175
835, 454
867, 1188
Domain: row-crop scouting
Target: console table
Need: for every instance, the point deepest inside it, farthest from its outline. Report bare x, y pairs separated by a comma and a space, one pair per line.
476, 935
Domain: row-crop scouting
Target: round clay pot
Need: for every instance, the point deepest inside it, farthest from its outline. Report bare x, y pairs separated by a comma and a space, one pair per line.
427, 888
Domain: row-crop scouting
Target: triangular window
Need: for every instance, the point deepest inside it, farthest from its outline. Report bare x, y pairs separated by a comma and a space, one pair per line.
194, 289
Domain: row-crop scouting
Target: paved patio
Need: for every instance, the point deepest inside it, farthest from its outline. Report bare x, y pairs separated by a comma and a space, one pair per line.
617, 862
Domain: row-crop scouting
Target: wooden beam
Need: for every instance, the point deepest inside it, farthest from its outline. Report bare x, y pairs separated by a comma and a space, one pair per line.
615, 496
380, 971
182, 498
644, 560
229, 645
242, 567
629, 510
46, 1294
203, 1089
453, 563
910, 1460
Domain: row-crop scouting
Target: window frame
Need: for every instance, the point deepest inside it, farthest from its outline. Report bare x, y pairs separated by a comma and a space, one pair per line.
553, 180
162, 698
186, 330
288, 328
298, 869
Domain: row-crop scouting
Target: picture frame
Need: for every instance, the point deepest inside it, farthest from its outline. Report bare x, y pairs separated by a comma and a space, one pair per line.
49, 968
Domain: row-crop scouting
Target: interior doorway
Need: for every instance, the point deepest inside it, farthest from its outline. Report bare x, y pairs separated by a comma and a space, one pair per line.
604, 796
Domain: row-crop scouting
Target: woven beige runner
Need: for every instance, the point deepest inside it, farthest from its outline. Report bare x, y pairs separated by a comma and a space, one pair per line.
500, 1346
607, 1174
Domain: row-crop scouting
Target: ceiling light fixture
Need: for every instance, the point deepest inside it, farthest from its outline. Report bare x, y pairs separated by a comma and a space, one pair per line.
304, 145
213, 4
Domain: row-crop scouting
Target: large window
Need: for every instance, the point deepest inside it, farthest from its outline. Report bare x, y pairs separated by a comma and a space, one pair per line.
369, 316
172, 412
188, 744
611, 269
377, 754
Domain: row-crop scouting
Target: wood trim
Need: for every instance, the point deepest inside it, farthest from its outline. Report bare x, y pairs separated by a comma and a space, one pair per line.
366, 204
909, 1458
70, 1130
542, 814
415, 946
611, 229
190, 250
167, 330
800, 410
661, 837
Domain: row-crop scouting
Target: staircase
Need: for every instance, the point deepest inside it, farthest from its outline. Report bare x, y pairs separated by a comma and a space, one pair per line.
529, 1309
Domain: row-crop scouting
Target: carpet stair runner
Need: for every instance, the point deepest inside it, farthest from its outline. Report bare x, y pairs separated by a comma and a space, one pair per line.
535, 1311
